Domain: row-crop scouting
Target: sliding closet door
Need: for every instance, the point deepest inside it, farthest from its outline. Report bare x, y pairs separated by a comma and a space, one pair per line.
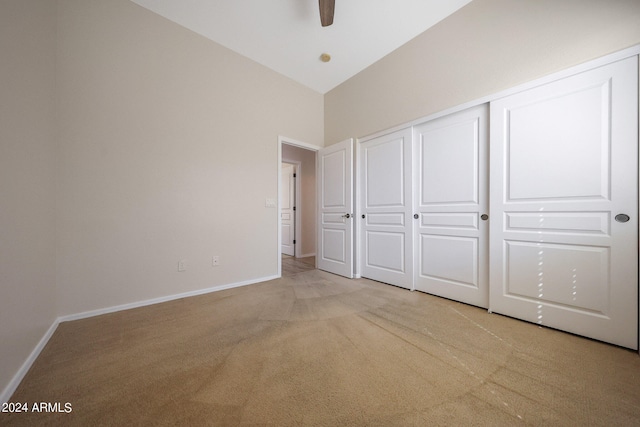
451, 203
386, 239
564, 206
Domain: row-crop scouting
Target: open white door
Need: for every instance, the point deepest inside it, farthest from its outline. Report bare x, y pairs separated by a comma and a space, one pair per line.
335, 209
564, 204
287, 209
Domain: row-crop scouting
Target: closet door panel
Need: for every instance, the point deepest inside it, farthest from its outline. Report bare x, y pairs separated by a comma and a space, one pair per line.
567, 131
386, 241
450, 198
564, 164
447, 258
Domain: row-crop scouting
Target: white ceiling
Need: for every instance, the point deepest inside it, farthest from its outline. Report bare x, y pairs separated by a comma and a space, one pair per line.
286, 35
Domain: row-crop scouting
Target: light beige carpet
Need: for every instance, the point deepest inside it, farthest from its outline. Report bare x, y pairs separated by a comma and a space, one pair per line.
316, 349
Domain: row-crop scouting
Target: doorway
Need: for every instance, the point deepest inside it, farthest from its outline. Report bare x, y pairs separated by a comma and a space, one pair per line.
303, 156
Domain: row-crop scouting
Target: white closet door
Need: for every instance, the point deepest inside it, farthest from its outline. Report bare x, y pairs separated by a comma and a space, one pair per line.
386, 225
564, 206
451, 246
335, 209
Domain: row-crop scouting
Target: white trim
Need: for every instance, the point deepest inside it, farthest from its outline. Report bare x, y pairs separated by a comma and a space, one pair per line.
19, 375
357, 209
599, 62
159, 300
290, 141
278, 204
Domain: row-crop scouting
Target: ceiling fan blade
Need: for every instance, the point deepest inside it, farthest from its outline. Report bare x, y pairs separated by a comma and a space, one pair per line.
326, 12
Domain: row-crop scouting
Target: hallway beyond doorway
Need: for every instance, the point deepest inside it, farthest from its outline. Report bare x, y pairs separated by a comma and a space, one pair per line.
292, 266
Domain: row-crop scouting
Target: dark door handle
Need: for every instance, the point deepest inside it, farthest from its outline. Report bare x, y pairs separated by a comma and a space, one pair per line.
484, 217
362, 216
622, 218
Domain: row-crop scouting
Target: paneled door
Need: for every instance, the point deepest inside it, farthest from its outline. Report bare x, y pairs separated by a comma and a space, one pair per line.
451, 205
287, 207
564, 204
385, 209
335, 209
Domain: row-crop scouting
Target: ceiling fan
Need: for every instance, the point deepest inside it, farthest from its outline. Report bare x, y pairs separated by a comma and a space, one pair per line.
326, 12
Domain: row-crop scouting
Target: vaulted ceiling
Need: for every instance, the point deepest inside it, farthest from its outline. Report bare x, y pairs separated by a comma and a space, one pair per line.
286, 35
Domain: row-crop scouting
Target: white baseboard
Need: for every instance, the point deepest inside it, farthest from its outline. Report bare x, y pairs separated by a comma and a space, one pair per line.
159, 300
19, 376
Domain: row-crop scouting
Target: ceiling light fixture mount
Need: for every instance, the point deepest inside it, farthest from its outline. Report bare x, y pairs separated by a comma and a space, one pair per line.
325, 57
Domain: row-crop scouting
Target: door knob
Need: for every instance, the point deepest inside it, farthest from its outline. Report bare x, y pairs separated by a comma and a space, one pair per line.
346, 216
484, 217
622, 218
362, 216
416, 216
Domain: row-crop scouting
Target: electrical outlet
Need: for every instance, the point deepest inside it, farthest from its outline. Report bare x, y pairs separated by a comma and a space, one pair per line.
215, 261
182, 265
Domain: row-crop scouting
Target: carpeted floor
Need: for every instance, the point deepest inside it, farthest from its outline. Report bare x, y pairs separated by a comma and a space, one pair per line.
312, 348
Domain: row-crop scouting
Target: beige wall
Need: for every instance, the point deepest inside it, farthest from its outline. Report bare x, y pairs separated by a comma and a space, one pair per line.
168, 150
27, 179
307, 206
485, 47
127, 144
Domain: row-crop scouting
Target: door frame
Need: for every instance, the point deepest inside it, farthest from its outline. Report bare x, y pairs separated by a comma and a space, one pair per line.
306, 146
